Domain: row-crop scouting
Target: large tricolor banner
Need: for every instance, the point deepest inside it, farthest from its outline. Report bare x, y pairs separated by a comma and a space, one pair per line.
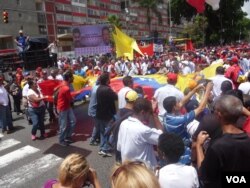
149, 83
91, 39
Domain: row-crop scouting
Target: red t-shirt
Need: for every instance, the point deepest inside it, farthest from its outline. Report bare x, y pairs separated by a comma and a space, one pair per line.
64, 98
246, 126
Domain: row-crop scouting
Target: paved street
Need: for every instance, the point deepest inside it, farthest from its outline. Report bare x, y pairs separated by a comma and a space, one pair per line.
27, 164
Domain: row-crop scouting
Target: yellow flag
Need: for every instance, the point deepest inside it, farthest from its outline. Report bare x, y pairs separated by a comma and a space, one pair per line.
123, 48
210, 71
125, 44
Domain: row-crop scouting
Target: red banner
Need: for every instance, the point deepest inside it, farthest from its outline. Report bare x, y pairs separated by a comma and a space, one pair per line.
147, 49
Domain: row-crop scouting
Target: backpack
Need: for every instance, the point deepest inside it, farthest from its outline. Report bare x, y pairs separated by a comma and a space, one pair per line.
113, 129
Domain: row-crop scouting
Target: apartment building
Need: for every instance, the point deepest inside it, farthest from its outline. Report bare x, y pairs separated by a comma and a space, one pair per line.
55, 18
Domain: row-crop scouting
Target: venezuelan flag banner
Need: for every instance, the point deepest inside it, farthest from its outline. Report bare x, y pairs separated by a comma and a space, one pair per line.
47, 88
149, 83
210, 71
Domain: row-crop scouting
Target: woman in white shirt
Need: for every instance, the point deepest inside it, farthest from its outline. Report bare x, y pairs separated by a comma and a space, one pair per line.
36, 109
174, 174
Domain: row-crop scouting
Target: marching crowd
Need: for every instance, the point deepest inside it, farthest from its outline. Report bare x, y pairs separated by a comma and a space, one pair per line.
176, 139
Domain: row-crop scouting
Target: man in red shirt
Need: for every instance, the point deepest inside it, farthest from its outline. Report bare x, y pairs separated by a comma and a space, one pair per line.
67, 120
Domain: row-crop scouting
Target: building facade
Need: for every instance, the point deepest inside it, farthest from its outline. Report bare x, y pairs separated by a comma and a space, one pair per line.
55, 18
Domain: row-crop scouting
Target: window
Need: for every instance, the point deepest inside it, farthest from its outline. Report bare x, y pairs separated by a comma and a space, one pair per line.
41, 18
79, 9
79, 1
63, 30
78, 19
68, 18
63, 7
92, 12
59, 17
42, 30
39, 6
18, 2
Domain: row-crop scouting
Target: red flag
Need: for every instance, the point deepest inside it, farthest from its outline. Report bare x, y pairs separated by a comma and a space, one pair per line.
189, 45
198, 4
147, 49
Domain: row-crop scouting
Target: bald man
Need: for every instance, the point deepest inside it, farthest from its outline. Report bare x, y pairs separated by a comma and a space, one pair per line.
230, 152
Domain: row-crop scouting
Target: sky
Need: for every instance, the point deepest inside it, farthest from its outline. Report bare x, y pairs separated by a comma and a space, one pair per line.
246, 8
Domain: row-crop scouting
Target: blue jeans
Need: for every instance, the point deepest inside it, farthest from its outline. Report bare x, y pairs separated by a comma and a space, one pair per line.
63, 119
102, 125
37, 117
96, 132
5, 117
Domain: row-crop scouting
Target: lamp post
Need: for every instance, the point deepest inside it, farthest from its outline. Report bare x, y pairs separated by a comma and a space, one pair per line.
170, 21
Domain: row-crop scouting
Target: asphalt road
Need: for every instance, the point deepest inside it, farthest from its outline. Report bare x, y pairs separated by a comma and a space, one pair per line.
28, 164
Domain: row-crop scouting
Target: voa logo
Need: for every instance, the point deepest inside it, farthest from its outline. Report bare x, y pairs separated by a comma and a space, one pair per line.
236, 179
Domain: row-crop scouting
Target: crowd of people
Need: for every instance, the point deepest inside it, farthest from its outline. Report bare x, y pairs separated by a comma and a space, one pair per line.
176, 139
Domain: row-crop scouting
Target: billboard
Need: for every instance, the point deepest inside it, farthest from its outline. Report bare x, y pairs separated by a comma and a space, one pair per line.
91, 39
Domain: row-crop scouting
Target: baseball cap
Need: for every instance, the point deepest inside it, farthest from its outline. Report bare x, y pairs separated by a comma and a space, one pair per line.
19, 69
20, 31
235, 59
131, 96
172, 76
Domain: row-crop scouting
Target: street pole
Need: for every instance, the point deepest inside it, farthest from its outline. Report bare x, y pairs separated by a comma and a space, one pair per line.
170, 21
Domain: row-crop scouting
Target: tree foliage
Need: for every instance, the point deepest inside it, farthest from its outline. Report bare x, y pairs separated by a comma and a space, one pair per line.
224, 25
114, 20
196, 29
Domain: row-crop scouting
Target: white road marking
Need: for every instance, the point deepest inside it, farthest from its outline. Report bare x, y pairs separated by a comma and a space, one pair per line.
29, 171
11, 157
8, 143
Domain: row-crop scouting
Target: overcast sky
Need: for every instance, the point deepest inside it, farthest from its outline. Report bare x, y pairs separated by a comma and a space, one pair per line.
246, 8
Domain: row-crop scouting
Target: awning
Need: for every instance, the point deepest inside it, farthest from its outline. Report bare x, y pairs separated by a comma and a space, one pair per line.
5, 36
65, 36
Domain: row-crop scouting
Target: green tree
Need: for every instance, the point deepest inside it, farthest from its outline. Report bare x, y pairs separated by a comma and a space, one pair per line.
114, 20
151, 7
223, 24
195, 30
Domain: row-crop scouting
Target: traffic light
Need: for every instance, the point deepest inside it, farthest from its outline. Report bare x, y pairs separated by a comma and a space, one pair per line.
5, 16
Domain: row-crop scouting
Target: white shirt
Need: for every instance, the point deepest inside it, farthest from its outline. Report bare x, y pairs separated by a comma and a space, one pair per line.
59, 77
131, 72
25, 90
121, 97
53, 48
32, 92
60, 64
178, 176
217, 81
4, 100
144, 68
245, 88
136, 140
186, 70
164, 92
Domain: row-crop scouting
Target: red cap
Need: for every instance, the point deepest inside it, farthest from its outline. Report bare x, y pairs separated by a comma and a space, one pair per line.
172, 76
19, 69
66, 66
39, 69
235, 59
